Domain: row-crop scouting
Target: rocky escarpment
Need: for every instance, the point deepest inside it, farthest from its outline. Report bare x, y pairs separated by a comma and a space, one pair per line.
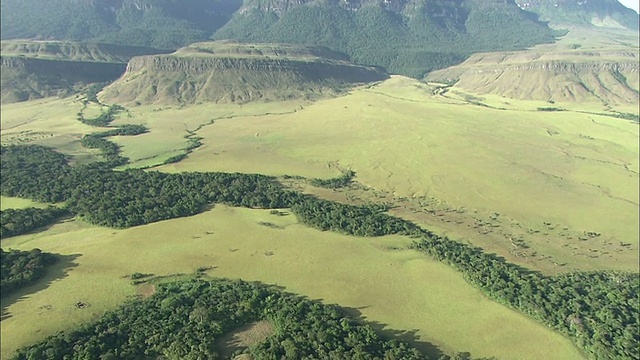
611, 78
219, 72
74, 51
25, 78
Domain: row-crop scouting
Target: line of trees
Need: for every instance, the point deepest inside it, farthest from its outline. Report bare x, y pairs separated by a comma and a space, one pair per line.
105, 117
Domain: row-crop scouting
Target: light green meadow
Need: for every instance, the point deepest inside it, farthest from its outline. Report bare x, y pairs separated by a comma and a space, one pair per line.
7, 202
392, 287
50, 122
575, 171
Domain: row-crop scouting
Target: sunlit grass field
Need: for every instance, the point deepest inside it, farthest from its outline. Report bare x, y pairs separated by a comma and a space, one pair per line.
551, 176
575, 172
18, 203
393, 288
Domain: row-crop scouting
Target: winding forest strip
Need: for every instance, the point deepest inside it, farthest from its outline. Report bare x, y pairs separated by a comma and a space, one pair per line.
598, 310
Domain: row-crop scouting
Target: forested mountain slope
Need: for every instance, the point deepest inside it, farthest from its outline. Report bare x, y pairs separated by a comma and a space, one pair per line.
608, 13
408, 37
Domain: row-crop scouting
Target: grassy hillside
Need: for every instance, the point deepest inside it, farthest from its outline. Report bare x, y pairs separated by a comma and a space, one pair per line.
232, 72
452, 165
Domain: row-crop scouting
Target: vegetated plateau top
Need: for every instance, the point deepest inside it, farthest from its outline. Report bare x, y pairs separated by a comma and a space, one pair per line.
232, 49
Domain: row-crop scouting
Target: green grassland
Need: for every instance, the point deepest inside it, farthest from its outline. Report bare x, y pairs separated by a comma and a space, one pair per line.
18, 203
488, 170
448, 163
394, 288
49, 122
551, 175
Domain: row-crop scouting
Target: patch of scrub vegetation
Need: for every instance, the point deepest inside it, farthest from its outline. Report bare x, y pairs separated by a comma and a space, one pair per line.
22, 268
202, 312
104, 118
337, 182
19, 221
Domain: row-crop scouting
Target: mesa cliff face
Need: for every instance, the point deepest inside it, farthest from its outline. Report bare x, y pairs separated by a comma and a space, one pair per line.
610, 77
224, 72
28, 78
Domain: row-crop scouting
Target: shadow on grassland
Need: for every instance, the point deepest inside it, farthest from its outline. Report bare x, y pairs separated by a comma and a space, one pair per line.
408, 336
57, 271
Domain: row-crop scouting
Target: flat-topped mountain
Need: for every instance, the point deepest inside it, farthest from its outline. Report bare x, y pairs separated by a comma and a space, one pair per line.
232, 72
74, 51
587, 65
36, 69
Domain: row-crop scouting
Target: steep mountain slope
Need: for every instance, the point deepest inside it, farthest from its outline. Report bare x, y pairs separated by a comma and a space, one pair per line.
232, 72
156, 23
607, 13
406, 37
409, 37
31, 69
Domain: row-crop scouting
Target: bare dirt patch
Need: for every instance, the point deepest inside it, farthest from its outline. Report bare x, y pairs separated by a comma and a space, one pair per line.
146, 290
243, 337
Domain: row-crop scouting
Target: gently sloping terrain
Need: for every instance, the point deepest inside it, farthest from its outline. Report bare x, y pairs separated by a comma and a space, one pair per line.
552, 177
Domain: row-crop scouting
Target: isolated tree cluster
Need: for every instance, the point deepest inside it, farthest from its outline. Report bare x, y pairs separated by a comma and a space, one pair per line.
22, 268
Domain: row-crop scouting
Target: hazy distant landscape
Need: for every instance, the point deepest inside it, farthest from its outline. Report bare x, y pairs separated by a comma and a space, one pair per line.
330, 180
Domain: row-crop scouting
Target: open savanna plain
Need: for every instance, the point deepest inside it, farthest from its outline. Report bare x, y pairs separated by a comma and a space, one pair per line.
399, 291
562, 183
553, 191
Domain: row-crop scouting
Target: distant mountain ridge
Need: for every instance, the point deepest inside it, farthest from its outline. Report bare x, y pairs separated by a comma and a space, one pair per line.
583, 12
409, 37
